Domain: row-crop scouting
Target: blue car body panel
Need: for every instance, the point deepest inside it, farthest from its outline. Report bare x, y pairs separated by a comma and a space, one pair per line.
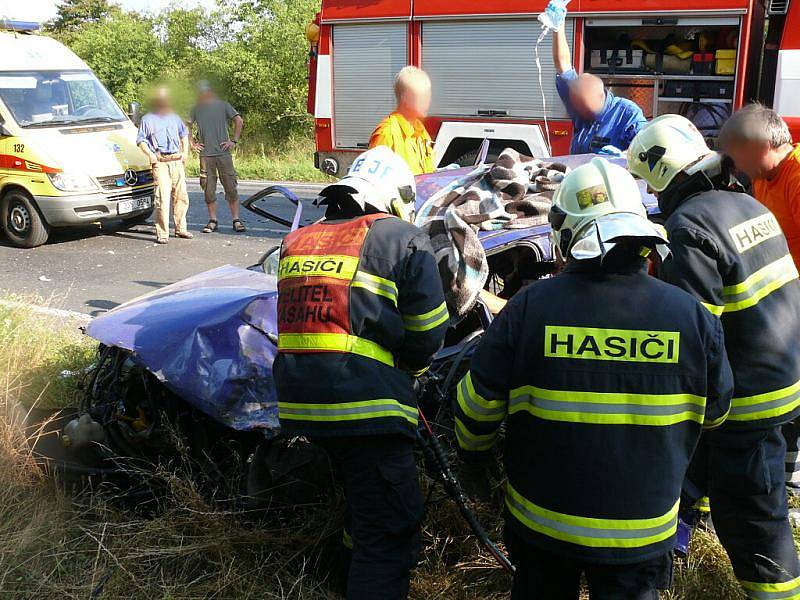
207, 338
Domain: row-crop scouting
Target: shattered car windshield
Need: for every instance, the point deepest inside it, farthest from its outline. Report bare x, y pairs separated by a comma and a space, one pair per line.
52, 98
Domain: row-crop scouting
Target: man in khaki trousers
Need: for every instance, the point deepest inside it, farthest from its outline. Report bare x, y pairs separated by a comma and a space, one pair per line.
211, 117
164, 138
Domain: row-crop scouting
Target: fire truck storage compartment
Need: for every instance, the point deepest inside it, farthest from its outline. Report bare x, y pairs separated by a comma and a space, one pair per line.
366, 57
673, 74
487, 68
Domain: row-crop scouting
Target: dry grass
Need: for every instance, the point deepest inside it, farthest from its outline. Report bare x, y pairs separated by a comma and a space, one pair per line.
85, 544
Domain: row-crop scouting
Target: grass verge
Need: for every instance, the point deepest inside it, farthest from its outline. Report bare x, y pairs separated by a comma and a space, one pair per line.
61, 542
291, 160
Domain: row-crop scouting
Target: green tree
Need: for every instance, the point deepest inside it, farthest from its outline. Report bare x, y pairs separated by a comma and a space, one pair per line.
184, 34
76, 14
262, 68
124, 52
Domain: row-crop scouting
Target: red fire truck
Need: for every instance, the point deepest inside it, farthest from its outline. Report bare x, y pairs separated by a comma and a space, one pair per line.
701, 59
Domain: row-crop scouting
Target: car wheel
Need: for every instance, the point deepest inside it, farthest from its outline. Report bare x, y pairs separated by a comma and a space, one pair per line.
21, 222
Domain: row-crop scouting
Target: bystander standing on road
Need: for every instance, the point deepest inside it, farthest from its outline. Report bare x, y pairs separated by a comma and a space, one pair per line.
164, 138
211, 116
759, 142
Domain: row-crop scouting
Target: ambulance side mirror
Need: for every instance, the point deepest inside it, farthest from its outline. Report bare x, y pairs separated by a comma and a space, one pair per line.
135, 112
4, 132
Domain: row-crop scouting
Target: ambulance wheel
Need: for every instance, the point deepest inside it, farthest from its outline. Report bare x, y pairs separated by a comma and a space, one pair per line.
22, 223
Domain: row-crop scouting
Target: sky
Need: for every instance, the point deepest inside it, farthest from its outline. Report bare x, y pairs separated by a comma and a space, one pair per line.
44, 10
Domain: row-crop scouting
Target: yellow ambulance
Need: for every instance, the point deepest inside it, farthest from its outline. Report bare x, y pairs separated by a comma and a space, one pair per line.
68, 153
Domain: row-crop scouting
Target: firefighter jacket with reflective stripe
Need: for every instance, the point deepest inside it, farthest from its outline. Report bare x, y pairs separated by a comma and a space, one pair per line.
729, 252
360, 312
605, 380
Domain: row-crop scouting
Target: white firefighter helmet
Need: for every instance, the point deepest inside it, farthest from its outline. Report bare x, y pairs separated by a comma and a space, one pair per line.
597, 205
663, 148
380, 180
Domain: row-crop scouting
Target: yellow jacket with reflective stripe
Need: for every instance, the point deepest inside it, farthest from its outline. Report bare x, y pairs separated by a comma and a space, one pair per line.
410, 140
605, 381
360, 309
730, 253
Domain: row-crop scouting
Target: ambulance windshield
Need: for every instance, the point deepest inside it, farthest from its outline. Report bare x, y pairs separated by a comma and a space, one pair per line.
53, 98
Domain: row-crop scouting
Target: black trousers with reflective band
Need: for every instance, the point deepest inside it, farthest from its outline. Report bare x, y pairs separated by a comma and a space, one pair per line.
544, 576
791, 433
384, 510
743, 474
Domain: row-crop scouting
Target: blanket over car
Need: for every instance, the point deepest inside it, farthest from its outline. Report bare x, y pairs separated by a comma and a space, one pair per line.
515, 192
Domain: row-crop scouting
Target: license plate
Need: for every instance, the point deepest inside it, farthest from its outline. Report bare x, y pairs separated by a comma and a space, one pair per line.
128, 206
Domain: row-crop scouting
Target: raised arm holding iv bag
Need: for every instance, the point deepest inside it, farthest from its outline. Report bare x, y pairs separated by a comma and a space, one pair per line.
552, 19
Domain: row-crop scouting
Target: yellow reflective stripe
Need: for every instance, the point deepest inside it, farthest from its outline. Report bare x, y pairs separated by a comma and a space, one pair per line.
759, 285
334, 342
588, 531
473, 441
703, 504
785, 263
607, 408
347, 411
766, 405
477, 407
336, 266
427, 321
714, 309
714, 423
785, 590
419, 373
376, 285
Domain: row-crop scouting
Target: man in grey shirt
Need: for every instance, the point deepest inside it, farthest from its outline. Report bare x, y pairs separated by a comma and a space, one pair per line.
210, 118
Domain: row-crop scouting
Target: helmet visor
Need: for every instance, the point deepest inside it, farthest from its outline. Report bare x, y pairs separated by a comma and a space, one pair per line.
605, 232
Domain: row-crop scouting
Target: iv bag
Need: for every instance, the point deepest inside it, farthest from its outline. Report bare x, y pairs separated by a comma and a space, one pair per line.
554, 14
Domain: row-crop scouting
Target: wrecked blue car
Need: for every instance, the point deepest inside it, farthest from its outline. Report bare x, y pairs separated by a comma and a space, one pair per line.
196, 356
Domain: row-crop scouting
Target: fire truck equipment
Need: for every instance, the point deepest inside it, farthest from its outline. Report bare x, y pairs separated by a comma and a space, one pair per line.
617, 60
726, 62
703, 63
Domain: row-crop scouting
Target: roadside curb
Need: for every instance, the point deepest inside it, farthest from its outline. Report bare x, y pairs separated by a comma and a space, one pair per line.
46, 310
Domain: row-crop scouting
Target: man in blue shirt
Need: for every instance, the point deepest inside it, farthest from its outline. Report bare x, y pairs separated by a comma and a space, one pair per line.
599, 118
164, 138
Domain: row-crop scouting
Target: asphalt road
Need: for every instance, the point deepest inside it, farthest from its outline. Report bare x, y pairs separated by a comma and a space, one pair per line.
93, 269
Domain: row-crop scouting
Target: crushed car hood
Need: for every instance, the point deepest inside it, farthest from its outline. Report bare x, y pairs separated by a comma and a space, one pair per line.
210, 339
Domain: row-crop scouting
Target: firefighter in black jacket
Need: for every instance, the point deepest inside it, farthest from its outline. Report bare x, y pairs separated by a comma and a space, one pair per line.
606, 377
730, 253
361, 311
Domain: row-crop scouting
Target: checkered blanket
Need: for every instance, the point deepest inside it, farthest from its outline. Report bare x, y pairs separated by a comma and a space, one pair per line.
513, 193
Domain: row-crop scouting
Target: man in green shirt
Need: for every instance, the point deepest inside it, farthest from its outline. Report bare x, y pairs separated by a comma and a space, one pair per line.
210, 118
